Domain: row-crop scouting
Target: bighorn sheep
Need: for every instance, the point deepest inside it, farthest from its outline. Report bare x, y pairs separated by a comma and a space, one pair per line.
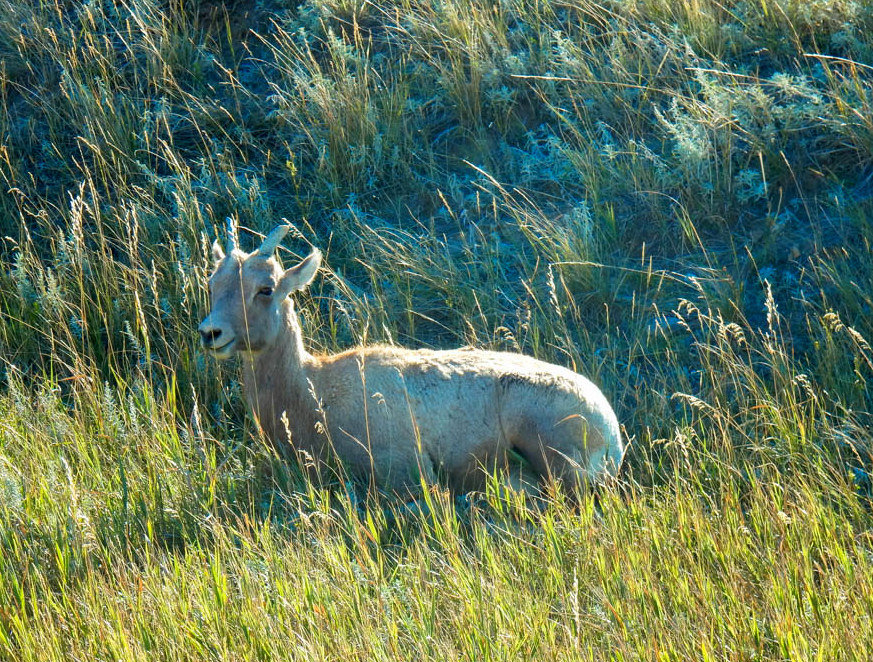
396, 416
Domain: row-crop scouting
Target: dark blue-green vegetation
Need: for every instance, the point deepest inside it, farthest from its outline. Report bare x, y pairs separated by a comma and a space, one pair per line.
672, 197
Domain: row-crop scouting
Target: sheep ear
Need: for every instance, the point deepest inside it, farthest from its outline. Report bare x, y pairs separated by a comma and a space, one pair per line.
297, 278
217, 252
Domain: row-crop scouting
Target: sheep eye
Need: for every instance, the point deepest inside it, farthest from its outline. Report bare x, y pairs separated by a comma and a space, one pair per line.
266, 291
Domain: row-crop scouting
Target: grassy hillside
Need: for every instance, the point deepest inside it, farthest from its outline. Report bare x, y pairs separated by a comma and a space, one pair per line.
674, 198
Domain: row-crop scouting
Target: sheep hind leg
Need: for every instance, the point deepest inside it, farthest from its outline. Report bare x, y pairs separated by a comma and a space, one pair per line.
564, 454
521, 477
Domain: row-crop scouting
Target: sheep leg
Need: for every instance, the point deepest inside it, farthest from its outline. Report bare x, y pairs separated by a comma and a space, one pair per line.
563, 452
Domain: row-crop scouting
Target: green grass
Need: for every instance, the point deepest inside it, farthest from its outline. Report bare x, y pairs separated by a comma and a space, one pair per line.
671, 197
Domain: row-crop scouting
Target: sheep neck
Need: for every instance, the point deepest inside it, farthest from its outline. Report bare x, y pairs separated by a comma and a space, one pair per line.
276, 381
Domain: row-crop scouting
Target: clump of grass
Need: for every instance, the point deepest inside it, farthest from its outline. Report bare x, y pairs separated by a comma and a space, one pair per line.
672, 198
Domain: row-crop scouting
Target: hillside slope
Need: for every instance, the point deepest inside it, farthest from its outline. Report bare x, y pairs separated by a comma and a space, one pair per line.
673, 198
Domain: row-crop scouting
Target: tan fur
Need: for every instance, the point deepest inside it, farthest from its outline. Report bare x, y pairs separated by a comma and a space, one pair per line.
395, 416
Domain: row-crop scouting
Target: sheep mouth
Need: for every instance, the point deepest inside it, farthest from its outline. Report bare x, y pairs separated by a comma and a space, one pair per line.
222, 351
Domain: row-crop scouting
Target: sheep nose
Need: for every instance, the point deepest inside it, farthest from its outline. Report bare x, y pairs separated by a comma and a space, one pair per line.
209, 335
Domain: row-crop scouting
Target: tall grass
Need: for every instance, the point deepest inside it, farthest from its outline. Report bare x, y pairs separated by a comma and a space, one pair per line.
673, 198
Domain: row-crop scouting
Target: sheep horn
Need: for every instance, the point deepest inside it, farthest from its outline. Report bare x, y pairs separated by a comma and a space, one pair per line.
273, 239
232, 241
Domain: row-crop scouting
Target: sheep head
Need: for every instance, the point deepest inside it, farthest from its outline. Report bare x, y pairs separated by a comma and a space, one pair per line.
248, 294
